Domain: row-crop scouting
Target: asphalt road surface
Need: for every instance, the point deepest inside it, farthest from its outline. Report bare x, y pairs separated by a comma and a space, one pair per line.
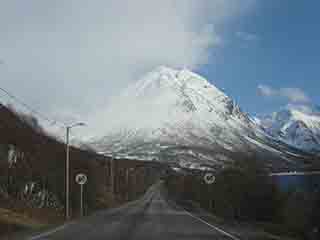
151, 217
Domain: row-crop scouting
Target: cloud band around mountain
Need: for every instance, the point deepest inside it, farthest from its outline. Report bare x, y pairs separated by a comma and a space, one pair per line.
295, 95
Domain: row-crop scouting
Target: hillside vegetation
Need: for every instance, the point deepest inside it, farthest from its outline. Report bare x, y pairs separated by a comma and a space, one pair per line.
32, 173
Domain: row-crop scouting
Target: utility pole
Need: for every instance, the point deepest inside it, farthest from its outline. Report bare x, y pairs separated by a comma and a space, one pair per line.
127, 182
129, 186
134, 182
111, 175
107, 174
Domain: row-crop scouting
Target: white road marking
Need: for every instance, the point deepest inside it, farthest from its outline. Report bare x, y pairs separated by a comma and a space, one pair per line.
210, 225
49, 232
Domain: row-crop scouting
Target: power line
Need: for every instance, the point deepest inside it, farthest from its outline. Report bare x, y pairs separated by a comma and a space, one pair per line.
32, 110
53, 122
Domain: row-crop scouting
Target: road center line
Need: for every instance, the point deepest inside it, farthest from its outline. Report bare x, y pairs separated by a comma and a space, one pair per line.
210, 225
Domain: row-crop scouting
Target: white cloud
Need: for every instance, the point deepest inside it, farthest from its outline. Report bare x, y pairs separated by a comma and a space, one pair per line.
295, 95
267, 91
246, 36
307, 109
70, 56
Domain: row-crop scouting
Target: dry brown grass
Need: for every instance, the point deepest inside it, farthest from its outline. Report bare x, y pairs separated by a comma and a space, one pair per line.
17, 218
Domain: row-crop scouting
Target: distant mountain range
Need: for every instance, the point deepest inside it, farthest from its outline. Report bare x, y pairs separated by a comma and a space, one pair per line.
298, 126
179, 117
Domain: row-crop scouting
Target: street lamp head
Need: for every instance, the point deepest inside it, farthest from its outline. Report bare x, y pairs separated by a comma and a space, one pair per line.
77, 124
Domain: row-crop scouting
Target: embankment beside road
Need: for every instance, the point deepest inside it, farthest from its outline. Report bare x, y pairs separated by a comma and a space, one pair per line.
246, 195
32, 174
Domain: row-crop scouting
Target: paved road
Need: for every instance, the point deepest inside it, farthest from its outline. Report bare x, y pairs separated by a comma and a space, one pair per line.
151, 217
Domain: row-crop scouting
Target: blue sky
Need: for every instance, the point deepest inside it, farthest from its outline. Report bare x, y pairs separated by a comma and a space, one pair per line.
67, 58
282, 51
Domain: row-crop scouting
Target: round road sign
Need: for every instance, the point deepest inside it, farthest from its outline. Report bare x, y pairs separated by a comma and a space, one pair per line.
81, 178
209, 178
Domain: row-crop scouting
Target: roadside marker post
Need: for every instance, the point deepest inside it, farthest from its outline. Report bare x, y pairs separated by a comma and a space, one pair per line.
81, 179
209, 179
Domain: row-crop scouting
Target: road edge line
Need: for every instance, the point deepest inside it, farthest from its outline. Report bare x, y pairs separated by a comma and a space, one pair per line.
45, 234
212, 226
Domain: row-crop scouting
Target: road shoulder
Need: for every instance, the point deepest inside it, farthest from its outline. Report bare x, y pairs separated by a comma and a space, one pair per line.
234, 229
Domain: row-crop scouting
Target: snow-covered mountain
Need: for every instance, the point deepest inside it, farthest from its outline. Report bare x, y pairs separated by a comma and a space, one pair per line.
178, 116
296, 125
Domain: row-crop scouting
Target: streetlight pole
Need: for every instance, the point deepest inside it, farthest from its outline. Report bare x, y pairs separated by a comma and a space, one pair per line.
67, 174
67, 188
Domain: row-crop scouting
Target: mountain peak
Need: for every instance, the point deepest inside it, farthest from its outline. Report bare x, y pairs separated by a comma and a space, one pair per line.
181, 75
167, 69
168, 97
297, 125
164, 69
163, 80
177, 115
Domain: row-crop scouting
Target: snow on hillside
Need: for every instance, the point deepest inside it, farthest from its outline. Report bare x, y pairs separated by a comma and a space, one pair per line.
177, 115
169, 97
298, 126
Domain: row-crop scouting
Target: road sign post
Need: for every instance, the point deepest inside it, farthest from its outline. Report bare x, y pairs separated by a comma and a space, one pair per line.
209, 179
81, 200
81, 179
